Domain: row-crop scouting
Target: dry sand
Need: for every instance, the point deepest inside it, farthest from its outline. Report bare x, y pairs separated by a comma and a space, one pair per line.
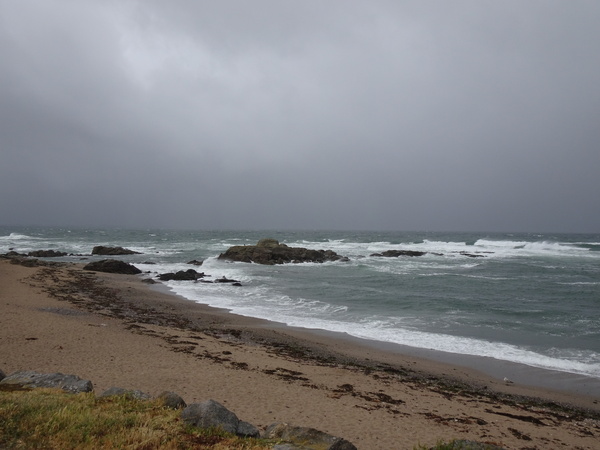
117, 331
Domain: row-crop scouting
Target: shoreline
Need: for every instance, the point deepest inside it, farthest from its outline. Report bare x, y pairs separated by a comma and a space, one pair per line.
117, 331
483, 370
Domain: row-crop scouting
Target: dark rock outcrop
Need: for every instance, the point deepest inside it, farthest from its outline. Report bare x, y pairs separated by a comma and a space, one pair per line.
112, 266
182, 275
304, 437
46, 254
396, 253
270, 251
210, 414
112, 251
132, 393
13, 254
30, 379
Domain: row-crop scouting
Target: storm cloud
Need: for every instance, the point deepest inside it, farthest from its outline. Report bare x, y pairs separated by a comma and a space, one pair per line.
395, 115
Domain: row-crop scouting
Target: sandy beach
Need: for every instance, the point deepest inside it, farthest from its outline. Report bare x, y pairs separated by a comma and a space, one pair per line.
116, 330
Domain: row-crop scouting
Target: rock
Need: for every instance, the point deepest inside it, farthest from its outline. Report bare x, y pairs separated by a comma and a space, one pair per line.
171, 400
195, 262
132, 393
472, 255
270, 251
2, 375
112, 266
13, 254
305, 437
224, 279
112, 251
396, 253
182, 275
148, 281
30, 379
46, 254
212, 414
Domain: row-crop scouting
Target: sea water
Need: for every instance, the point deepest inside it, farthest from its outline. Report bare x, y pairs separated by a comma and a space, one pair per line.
532, 299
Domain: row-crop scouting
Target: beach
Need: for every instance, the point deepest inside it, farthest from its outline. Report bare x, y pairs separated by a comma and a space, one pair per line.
116, 330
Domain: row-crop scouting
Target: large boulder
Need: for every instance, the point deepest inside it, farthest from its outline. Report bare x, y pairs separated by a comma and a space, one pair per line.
270, 251
30, 379
112, 251
304, 437
211, 414
112, 266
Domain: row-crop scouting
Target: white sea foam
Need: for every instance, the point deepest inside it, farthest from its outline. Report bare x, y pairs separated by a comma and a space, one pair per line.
487, 247
260, 301
17, 237
525, 248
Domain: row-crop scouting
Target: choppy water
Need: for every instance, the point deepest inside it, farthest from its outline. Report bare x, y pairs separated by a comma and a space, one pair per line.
531, 298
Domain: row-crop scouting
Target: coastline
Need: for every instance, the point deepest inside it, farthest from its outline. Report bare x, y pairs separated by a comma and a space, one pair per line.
578, 389
115, 330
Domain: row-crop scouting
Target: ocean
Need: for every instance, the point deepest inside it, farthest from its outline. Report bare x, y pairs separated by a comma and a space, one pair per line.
532, 299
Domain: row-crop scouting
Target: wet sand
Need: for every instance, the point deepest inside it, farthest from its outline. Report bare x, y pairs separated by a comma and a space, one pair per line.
117, 331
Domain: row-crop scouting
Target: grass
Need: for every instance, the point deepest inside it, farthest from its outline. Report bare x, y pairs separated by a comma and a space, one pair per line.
51, 419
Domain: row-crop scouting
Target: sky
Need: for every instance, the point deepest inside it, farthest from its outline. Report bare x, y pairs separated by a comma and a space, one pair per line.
275, 114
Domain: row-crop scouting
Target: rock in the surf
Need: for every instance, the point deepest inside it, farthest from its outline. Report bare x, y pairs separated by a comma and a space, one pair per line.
112, 266
112, 251
396, 253
46, 254
270, 251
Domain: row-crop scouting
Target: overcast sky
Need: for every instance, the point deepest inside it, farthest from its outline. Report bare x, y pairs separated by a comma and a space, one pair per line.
393, 115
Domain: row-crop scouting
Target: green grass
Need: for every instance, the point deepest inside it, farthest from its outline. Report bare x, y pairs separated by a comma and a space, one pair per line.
51, 419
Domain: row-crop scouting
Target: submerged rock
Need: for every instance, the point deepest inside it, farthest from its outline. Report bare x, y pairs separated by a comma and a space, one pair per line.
396, 253
270, 251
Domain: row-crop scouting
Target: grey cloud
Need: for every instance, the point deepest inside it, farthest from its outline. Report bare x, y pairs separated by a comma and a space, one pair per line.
389, 115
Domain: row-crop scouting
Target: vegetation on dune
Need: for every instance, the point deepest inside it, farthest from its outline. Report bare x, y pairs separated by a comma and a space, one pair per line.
49, 418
